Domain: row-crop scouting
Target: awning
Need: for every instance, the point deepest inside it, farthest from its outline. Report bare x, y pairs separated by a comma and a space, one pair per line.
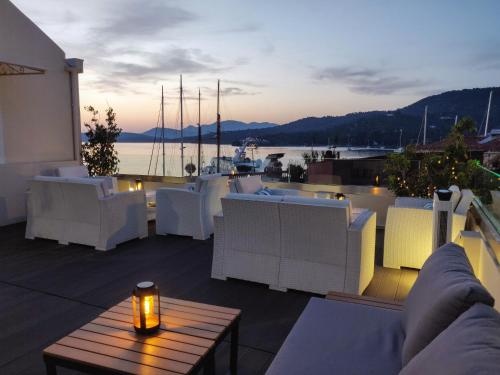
10, 69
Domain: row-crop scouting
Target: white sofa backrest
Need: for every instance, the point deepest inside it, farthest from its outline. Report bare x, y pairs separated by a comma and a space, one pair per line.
246, 185
252, 223
213, 188
314, 229
73, 171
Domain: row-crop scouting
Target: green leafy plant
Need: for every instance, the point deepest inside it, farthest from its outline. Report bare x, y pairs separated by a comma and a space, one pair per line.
311, 157
98, 152
297, 172
410, 174
190, 168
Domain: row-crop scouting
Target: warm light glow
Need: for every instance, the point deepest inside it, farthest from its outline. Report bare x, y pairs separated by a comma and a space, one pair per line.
148, 305
138, 184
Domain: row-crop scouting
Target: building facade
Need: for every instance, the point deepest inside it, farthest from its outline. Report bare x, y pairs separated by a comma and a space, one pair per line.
39, 109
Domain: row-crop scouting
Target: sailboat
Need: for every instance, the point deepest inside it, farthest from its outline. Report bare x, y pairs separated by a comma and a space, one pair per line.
156, 142
239, 163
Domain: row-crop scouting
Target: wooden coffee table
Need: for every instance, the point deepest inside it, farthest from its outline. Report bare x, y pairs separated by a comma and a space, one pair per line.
189, 334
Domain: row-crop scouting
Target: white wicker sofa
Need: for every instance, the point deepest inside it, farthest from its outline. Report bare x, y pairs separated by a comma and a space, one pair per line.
80, 210
408, 229
300, 243
190, 211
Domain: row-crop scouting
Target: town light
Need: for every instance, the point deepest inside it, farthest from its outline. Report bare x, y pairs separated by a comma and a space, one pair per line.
146, 307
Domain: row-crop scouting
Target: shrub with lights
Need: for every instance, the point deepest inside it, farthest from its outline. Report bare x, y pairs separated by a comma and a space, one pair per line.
413, 175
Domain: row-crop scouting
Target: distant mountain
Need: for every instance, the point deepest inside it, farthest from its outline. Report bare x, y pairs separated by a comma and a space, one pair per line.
382, 127
468, 102
357, 129
226, 126
128, 137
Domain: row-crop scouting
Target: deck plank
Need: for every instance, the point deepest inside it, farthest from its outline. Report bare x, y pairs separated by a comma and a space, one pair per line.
50, 290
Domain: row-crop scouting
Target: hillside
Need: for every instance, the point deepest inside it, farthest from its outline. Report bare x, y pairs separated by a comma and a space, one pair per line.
382, 128
226, 126
357, 129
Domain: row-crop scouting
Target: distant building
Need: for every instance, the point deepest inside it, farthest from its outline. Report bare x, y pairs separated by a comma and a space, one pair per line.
39, 109
485, 149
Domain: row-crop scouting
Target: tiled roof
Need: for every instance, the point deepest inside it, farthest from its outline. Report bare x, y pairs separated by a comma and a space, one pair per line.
472, 143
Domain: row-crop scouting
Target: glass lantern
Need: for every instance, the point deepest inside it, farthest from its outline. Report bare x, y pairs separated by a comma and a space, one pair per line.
146, 307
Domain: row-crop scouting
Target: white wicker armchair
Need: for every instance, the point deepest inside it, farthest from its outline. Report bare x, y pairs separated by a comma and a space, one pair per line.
81, 211
408, 229
190, 212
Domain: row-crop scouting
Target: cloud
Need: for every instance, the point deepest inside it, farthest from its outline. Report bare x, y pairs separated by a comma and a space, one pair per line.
245, 83
246, 28
367, 81
236, 91
488, 59
142, 18
268, 49
170, 61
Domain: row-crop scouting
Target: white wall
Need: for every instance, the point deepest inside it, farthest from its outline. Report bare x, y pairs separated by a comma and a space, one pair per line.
37, 131
36, 109
2, 155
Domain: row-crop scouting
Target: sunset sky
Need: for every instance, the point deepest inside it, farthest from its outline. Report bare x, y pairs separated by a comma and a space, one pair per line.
277, 60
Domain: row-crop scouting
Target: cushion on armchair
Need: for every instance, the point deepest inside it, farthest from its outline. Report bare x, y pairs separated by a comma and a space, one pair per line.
248, 185
445, 288
470, 345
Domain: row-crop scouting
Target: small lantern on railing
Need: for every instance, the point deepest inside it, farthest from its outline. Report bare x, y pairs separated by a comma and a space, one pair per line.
138, 184
146, 307
340, 196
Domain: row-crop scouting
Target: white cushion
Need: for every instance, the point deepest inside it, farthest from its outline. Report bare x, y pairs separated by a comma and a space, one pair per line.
201, 181
248, 185
73, 171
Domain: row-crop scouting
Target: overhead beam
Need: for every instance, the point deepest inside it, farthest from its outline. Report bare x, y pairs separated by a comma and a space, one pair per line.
10, 69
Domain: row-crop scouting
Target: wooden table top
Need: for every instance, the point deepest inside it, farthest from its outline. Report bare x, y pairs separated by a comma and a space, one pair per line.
188, 331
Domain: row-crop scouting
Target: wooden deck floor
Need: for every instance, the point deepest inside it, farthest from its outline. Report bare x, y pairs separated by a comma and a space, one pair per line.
48, 290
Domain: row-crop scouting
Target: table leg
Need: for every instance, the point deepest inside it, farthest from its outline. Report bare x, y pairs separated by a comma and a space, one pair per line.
209, 368
50, 367
233, 364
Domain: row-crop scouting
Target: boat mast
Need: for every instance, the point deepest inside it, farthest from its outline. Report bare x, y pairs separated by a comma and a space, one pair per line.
488, 115
163, 128
218, 126
199, 131
182, 134
425, 126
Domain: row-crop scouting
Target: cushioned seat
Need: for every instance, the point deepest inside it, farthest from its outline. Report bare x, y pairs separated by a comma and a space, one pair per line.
333, 337
470, 345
